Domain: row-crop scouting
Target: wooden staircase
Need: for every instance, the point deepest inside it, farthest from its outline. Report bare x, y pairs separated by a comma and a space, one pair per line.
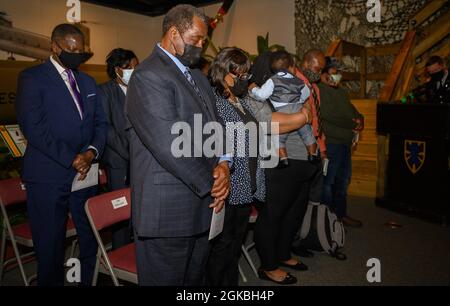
407, 71
364, 158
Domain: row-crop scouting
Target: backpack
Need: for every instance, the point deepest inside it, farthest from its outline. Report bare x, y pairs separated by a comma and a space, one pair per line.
322, 231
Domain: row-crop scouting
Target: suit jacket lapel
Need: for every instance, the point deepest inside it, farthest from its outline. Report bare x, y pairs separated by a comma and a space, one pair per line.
56, 78
118, 95
182, 79
208, 98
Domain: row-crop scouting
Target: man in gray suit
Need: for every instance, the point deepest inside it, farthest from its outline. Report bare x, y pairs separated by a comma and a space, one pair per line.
173, 198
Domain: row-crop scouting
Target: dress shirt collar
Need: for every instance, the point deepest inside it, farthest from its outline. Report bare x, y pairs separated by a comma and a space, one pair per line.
124, 88
177, 62
57, 65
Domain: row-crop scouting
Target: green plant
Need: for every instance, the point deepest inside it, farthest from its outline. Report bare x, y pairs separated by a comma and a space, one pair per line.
262, 44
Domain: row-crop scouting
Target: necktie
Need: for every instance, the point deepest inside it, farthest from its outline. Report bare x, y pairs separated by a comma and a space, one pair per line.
76, 93
319, 117
188, 75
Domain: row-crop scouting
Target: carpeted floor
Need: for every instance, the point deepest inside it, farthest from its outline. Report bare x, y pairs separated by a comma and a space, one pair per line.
418, 253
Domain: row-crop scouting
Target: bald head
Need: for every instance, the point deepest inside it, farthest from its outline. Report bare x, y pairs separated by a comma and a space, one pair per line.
314, 60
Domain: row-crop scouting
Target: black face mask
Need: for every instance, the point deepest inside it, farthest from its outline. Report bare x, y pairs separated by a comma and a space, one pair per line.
240, 88
438, 76
191, 55
311, 75
72, 60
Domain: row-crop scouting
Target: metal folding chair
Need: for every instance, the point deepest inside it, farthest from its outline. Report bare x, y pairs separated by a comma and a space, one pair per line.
104, 211
246, 248
13, 192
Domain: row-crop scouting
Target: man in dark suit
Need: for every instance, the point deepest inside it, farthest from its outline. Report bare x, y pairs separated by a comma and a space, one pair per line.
438, 88
61, 117
120, 66
172, 196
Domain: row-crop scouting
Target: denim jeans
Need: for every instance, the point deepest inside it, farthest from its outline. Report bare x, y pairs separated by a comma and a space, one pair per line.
335, 184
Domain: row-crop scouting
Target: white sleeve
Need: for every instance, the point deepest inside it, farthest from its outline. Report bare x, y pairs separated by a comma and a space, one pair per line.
264, 92
305, 94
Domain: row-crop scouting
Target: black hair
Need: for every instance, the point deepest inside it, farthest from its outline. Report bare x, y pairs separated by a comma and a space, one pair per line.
434, 60
261, 70
64, 29
118, 58
281, 60
181, 16
328, 65
229, 60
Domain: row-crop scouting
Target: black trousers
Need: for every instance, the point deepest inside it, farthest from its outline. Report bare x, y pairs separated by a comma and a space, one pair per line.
222, 269
279, 219
178, 261
121, 232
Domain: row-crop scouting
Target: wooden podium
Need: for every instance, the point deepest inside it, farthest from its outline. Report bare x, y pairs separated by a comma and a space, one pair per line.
417, 173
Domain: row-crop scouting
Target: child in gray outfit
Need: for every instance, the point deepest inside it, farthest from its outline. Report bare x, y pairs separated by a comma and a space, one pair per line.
287, 94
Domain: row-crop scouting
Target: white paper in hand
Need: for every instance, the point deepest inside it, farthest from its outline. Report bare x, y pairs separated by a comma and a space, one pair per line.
217, 223
325, 166
90, 180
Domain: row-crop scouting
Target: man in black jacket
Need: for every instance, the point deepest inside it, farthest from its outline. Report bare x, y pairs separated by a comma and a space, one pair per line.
438, 88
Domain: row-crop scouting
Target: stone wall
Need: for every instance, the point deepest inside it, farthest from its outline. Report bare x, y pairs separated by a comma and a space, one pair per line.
318, 22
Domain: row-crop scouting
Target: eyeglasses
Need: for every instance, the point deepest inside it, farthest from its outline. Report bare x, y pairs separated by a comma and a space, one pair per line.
242, 77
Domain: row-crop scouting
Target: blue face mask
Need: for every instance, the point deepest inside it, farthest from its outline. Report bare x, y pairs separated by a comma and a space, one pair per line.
126, 75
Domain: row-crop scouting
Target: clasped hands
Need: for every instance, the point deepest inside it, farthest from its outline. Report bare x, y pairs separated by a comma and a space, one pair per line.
82, 163
221, 186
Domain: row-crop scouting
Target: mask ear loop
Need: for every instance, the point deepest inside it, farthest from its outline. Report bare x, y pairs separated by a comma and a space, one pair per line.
118, 75
184, 43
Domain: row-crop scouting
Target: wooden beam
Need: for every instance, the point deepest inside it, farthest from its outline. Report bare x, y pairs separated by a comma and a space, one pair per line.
354, 95
351, 76
431, 8
443, 51
383, 50
403, 85
377, 76
434, 33
334, 47
363, 72
352, 49
397, 67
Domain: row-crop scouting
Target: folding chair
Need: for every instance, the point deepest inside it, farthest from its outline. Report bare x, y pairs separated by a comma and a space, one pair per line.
102, 177
246, 248
104, 211
13, 192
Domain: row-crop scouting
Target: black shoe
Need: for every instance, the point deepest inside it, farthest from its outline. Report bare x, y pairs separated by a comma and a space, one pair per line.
350, 222
288, 280
302, 252
298, 266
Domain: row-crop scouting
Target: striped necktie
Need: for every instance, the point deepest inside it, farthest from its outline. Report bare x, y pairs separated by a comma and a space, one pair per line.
188, 75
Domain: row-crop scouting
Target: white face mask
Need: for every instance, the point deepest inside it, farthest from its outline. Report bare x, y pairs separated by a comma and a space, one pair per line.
126, 75
336, 78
